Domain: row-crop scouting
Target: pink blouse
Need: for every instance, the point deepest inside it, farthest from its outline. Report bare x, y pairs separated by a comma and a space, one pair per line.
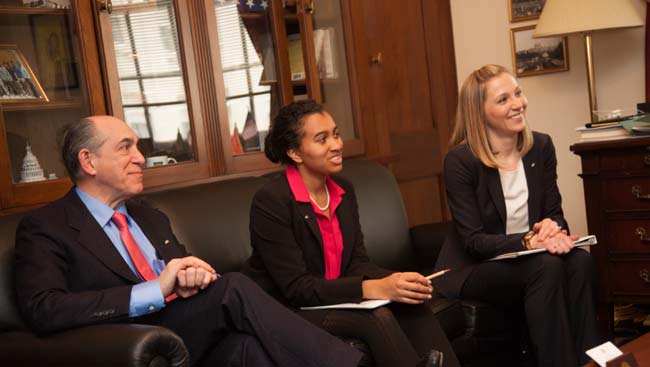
329, 228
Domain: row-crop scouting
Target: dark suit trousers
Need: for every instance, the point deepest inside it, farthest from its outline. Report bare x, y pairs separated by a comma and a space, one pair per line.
235, 304
398, 335
558, 299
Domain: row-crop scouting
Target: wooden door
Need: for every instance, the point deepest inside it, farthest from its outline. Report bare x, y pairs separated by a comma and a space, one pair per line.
406, 73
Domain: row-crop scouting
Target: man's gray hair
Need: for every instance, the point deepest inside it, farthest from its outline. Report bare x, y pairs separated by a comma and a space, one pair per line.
77, 136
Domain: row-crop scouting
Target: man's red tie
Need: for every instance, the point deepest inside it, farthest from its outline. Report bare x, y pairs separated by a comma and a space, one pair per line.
141, 265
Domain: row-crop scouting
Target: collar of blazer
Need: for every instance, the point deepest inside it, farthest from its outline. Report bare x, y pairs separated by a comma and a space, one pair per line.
496, 192
344, 214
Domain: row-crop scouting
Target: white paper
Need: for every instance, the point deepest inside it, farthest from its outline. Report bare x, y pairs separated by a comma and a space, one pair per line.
365, 305
604, 353
582, 241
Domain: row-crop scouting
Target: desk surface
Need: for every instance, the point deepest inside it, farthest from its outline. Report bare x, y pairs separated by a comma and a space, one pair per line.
640, 348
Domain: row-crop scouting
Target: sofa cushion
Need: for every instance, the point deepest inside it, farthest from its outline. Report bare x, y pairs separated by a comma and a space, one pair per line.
482, 319
211, 220
383, 217
450, 316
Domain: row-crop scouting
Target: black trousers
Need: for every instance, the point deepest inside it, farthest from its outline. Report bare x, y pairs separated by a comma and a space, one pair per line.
398, 335
233, 310
558, 300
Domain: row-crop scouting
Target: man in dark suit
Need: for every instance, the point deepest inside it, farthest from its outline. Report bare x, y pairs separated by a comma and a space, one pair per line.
91, 258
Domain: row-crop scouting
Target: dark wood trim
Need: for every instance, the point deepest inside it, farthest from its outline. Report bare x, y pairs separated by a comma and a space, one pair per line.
31, 11
279, 34
56, 105
306, 24
192, 83
204, 34
350, 56
6, 182
89, 54
438, 34
109, 66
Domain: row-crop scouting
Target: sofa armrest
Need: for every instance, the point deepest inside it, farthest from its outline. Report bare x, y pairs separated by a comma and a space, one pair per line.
427, 240
98, 345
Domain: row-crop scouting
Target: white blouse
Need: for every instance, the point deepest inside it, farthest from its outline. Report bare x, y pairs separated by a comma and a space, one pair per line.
515, 192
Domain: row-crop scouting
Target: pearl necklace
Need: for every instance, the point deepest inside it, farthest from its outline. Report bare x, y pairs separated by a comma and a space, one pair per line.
326, 205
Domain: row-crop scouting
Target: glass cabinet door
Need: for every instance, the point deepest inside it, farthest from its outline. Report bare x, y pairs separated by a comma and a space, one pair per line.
147, 65
255, 84
249, 71
322, 27
331, 60
43, 87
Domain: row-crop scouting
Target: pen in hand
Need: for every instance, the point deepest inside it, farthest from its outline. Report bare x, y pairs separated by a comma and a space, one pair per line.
435, 275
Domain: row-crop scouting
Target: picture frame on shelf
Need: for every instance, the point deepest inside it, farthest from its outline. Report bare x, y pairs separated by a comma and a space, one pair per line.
520, 10
18, 84
57, 68
535, 56
54, 4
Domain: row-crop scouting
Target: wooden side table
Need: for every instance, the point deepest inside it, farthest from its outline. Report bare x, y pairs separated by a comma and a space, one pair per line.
616, 178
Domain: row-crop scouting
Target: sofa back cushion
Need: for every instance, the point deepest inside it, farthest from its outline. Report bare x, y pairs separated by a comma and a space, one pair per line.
9, 317
382, 214
211, 220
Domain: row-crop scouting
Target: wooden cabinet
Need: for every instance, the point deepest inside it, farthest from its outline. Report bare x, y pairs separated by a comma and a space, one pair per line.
199, 81
49, 72
616, 177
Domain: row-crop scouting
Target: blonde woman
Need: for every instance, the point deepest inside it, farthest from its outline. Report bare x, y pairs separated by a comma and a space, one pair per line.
502, 192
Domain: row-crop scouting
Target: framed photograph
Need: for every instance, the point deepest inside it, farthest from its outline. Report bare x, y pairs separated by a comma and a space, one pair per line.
53, 45
520, 10
17, 81
534, 56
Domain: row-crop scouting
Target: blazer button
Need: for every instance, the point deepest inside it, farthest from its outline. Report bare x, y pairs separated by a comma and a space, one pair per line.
306, 217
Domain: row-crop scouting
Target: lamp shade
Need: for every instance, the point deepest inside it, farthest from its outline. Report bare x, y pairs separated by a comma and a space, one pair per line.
561, 17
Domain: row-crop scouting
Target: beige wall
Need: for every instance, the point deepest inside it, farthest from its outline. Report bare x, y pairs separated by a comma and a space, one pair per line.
558, 102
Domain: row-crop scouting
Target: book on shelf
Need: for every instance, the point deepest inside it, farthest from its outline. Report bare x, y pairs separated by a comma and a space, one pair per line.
296, 62
601, 132
580, 242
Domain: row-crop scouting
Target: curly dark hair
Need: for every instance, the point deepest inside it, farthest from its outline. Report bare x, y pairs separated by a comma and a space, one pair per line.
285, 131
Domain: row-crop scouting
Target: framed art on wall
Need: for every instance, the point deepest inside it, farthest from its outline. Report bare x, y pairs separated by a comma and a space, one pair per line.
534, 56
17, 81
53, 46
520, 10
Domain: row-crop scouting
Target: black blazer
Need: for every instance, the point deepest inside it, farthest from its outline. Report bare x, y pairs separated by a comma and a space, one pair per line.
287, 259
478, 209
68, 272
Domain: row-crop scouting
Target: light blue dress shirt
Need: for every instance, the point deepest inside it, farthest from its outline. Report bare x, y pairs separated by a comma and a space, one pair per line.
146, 297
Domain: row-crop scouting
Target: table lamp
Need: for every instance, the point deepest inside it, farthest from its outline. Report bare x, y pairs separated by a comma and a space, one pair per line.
563, 17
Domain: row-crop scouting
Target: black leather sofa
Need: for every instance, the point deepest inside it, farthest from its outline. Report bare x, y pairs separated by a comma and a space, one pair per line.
212, 221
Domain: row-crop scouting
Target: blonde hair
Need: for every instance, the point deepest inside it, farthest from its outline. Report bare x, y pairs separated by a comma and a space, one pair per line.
470, 123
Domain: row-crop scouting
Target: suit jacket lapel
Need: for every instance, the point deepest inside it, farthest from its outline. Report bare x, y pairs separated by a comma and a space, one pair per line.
307, 213
348, 230
532, 170
152, 231
496, 192
93, 238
